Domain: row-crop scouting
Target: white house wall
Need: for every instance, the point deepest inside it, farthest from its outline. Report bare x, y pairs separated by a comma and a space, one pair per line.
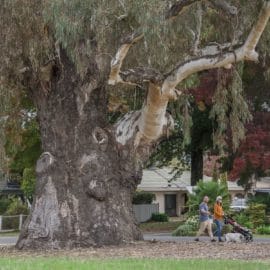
180, 201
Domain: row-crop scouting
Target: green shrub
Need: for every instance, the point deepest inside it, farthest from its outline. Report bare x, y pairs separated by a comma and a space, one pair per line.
267, 220
16, 208
261, 199
184, 230
193, 222
160, 217
10, 219
244, 220
263, 230
4, 203
141, 197
189, 228
257, 215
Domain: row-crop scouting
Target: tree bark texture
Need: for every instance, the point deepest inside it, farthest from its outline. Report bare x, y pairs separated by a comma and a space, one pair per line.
85, 178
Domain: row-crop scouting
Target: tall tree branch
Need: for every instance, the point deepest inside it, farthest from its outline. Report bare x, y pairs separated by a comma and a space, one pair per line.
150, 123
117, 61
133, 76
197, 37
222, 59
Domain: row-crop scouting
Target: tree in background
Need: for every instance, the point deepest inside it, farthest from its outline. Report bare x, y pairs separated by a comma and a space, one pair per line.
22, 144
60, 52
252, 159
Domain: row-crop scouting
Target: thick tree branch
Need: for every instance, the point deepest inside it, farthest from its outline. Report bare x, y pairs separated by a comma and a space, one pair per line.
258, 28
150, 123
153, 117
117, 61
223, 59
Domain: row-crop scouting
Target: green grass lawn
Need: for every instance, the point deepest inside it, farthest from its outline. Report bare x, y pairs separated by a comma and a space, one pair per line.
130, 264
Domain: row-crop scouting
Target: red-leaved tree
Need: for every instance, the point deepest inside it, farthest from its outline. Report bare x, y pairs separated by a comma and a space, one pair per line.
253, 155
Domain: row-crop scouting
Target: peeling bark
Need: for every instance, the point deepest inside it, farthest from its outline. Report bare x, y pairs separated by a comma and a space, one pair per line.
85, 177
117, 62
153, 119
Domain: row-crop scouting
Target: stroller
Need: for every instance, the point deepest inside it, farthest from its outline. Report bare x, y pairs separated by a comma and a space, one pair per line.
239, 229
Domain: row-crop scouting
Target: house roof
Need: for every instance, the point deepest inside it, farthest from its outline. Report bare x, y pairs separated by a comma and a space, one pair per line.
158, 179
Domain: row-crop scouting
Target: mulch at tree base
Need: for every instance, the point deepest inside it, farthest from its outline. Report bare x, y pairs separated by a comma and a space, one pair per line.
147, 249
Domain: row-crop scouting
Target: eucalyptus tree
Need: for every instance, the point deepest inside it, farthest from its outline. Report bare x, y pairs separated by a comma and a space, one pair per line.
67, 55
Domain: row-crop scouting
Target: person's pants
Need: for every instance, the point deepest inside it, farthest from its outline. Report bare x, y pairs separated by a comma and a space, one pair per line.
203, 226
219, 228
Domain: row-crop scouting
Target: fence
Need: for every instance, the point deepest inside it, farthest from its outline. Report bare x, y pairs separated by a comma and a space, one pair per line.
143, 212
11, 223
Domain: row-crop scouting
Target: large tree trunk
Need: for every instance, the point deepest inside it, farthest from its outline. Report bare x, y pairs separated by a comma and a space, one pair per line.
85, 178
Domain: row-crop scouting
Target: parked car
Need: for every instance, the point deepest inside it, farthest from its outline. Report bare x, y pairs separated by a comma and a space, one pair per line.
238, 205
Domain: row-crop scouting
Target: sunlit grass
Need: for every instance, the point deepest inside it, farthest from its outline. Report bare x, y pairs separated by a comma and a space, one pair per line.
130, 264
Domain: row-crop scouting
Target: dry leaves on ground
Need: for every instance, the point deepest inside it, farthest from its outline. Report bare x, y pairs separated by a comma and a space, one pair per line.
250, 251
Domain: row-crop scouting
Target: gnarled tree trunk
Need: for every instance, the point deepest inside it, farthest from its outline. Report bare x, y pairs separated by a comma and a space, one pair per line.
85, 178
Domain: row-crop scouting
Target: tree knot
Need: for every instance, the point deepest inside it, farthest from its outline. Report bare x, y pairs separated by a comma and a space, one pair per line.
101, 138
